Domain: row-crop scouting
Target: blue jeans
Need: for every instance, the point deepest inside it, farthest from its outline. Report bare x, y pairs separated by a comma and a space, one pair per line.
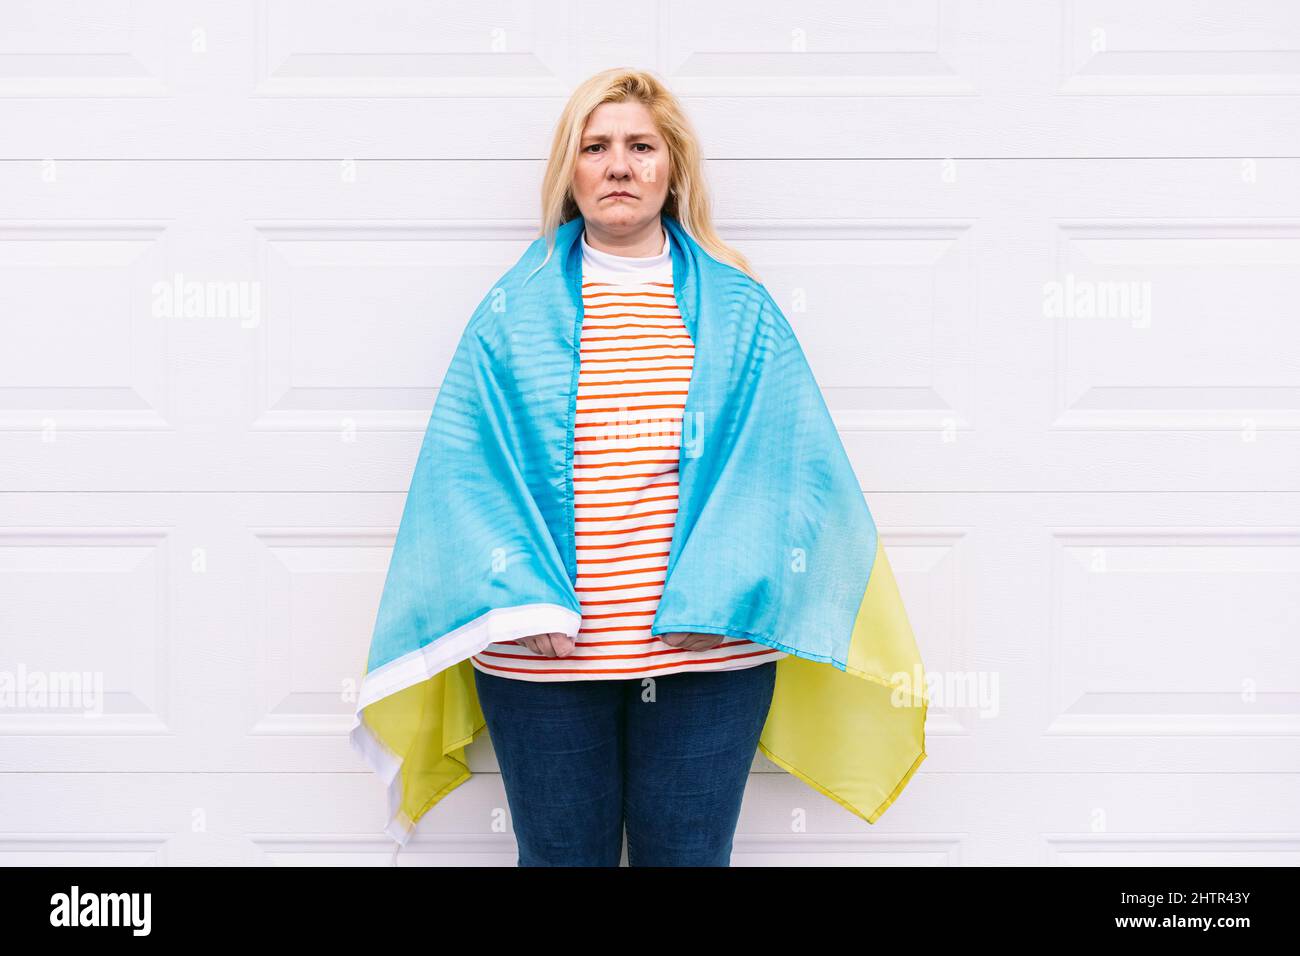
581, 758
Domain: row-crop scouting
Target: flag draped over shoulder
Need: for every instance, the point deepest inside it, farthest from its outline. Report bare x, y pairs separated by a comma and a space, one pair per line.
773, 541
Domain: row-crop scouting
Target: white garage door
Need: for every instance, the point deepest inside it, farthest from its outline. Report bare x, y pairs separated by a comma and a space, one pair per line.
1043, 257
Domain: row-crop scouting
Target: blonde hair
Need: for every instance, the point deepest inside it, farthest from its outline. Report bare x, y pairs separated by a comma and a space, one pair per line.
688, 197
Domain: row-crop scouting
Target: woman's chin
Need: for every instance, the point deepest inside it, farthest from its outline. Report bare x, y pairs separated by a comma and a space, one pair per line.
619, 218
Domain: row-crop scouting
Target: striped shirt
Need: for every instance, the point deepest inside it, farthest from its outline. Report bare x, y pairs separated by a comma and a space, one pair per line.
635, 364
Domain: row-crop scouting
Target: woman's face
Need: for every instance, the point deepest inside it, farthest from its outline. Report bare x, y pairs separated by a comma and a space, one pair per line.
621, 152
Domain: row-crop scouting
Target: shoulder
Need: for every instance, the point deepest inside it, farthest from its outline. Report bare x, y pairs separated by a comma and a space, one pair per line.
748, 300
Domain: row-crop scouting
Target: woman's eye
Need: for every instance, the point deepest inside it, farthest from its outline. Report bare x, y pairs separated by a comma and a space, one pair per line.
648, 147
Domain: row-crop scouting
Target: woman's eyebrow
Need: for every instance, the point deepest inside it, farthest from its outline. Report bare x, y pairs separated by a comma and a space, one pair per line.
605, 137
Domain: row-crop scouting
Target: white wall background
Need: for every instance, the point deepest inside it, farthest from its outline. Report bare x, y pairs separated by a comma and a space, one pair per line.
1099, 514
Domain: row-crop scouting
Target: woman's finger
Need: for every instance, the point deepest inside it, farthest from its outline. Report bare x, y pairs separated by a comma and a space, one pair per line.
690, 641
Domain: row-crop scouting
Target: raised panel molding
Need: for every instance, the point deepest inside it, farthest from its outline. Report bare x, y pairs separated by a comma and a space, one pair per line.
292, 649
1173, 849
942, 392
281, 404
848, 849
1184, 385
490, 50
344, 849
1103, 57
867, 49
1106, 679
70, 54
125, 251
500, 849
83, 849
138, 706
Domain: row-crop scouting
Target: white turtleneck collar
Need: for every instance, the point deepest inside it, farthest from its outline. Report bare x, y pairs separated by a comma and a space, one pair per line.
594, 260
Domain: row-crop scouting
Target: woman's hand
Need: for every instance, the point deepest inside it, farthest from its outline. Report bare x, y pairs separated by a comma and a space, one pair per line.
548, 645
690, 641
554, 644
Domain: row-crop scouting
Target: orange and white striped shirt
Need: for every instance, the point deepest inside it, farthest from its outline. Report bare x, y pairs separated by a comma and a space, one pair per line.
635, 365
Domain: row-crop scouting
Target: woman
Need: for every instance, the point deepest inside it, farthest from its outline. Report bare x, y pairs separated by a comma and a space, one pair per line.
634, 549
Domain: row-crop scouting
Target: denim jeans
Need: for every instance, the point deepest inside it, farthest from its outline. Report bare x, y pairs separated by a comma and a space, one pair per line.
669, 758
